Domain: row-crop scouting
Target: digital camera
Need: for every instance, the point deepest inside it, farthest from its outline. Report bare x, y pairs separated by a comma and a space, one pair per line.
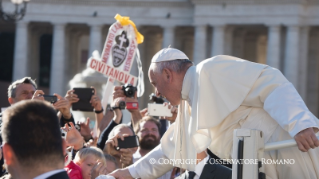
129, 90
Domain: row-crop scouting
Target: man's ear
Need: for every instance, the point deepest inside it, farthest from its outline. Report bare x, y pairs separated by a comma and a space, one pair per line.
167, 75
11, 100
8, 154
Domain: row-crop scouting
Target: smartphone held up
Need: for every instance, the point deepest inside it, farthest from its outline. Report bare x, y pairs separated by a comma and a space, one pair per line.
128, 142
50, 98
84, 95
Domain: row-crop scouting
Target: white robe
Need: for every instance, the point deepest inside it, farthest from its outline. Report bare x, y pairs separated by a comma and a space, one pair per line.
224, 93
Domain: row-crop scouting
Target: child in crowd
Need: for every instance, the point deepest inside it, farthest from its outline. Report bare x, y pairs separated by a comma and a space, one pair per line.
85, 159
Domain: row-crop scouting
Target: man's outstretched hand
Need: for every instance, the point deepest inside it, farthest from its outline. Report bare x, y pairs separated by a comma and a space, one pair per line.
121, 174
99, 169
307, 139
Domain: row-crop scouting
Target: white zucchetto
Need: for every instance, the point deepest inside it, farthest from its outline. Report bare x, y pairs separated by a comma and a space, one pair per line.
168, 54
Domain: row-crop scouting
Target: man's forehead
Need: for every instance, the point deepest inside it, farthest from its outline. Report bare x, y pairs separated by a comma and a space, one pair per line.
151, 69
124, 130
146, 124
152, 76
25, 86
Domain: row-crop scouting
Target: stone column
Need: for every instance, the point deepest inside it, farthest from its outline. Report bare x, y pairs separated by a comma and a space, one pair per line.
168, 36
273, 48
95, 39
57, 76
200, 44
303, 62
239, 43
218, 41
313, 73
228, 44
21, 60
292, 55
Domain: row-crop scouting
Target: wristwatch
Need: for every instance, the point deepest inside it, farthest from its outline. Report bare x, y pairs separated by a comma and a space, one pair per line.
98, 112
115, 107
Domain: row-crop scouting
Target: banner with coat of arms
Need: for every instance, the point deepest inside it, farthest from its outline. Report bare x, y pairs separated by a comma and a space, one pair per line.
119, 51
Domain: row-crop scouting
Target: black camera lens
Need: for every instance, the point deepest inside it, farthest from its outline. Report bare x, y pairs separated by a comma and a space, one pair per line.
129, 90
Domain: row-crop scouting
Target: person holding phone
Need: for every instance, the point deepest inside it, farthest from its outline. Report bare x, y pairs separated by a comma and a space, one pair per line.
94, 102
26, 88
116, 120
119, 98
123, 156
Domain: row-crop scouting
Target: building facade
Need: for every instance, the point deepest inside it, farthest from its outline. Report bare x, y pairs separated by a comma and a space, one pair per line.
54, 40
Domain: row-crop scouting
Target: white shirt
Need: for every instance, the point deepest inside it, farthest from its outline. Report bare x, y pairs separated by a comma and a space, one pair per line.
48, 174
200, 166
136, 156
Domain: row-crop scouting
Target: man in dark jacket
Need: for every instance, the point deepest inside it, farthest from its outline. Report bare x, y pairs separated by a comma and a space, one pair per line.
32, 142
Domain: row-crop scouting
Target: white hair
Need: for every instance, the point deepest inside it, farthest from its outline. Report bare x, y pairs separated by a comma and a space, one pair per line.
120, 126
175, 65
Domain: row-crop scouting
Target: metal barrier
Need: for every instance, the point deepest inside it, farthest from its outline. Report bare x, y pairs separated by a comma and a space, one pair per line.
249, 145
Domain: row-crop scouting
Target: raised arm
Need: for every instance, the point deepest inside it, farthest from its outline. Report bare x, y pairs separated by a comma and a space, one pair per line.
281, 100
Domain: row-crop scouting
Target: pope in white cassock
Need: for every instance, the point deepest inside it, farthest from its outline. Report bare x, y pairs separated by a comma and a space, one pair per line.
221, 94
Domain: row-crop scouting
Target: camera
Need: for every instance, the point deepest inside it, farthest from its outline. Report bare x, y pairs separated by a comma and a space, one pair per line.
50, 98
129, 90
128, 105
158, 100
63, 133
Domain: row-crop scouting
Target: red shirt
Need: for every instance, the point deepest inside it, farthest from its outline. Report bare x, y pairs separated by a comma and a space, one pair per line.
73, 170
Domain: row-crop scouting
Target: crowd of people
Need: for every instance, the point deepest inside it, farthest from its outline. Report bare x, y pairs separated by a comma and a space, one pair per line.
87, 151
208, 101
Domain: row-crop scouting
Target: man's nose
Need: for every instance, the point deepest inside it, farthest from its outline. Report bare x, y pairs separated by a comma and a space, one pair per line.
29, 95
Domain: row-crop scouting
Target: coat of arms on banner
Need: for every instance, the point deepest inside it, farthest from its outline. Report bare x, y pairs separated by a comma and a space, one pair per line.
119, 49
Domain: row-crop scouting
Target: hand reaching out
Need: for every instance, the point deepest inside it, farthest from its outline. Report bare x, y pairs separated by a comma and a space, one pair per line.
73, 136
173, 111
98, 169
71, 97
111, 144
126, 157
96, 101
63, 106
85, 129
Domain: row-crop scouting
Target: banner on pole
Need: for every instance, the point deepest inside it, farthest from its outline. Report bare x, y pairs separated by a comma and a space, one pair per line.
119, 51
